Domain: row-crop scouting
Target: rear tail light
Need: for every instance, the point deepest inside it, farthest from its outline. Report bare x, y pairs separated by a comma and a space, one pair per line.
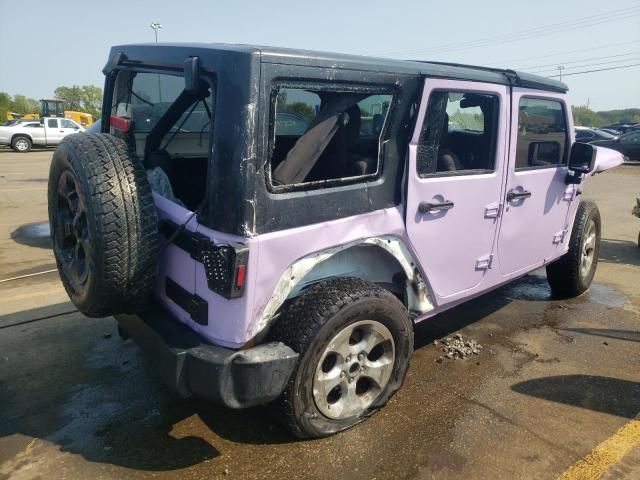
119, 123
241, 274
226, 268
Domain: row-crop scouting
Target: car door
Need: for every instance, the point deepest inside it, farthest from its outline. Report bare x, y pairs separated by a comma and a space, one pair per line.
455, 182
630, 144
534, 226
53, 131
68, 127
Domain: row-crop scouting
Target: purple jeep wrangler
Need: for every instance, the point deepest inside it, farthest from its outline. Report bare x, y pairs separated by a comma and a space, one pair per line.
269, 224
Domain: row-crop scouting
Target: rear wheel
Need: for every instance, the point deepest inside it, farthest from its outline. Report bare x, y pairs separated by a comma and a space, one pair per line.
355, 340
573, 273
21, 144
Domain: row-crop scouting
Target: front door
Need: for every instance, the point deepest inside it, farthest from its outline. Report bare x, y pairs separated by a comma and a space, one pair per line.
534, 226
455, 183
68, 127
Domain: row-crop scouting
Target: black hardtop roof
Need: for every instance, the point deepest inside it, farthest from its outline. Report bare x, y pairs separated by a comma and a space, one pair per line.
290, 56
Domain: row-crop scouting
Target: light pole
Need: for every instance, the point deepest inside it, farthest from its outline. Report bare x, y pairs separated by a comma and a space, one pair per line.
156, 26
560, 69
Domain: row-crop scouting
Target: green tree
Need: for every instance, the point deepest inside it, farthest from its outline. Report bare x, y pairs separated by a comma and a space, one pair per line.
22, 104
5, 104
72, 97
584, 117
92, 99
85, 98
302, 109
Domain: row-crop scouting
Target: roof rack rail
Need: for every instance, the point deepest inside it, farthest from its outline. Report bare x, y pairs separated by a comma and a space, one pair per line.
511, 75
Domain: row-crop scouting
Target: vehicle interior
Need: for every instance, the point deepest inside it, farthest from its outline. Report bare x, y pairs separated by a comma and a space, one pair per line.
321, 137
459, 133
169, 128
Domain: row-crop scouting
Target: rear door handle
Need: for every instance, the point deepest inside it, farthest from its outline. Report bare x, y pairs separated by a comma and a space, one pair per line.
511, 196
427, 207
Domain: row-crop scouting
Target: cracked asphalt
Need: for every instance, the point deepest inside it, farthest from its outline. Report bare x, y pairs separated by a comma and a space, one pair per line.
555, 381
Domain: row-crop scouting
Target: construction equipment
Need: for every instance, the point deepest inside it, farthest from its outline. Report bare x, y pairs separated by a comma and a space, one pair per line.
53, 107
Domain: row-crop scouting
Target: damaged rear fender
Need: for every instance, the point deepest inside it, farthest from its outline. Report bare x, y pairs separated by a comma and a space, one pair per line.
377, 259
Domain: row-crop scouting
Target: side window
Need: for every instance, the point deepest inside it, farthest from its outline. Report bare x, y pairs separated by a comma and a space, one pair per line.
52, 123
630, 139
458, 134
583, 135
542, 134
68, 123
324, 136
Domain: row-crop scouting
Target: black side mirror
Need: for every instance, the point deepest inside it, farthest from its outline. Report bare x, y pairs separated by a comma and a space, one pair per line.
192, 76
581, 161
582, 158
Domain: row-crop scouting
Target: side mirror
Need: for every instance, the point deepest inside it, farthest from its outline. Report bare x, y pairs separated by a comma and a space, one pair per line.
192, 75
582, 158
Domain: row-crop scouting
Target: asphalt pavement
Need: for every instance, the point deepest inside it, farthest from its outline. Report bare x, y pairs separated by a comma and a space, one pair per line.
554, 392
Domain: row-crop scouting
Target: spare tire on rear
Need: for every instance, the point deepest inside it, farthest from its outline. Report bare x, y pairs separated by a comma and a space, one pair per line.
104, 226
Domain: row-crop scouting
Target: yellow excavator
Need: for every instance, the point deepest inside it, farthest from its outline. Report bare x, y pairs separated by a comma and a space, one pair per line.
53, 107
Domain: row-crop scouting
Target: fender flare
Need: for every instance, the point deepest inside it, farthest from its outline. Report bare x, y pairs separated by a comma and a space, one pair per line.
418, 297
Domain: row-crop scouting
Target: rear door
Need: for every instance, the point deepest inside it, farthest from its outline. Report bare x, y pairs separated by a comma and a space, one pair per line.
455, 183
534, 226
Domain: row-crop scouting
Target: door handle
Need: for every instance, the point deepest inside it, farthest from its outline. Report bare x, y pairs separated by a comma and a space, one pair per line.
511, 196
427, 207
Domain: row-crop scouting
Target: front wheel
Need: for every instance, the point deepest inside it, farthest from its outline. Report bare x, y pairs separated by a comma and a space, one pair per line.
355, 340
21, 144
572, 274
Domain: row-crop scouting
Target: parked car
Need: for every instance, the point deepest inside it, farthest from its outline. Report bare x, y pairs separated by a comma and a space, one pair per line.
628, 144
295, 262
44, 133
622, 127
95, 127
587, 135
615, 133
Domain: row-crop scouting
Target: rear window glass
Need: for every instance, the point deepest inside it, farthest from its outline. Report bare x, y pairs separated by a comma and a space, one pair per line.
151, 96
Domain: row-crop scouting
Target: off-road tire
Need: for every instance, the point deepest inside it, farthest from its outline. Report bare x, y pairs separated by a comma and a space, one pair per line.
310, 321
21, 138
120, 223
565, 275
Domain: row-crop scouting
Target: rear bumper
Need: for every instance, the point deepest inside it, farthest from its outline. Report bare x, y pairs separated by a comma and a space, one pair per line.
192, 366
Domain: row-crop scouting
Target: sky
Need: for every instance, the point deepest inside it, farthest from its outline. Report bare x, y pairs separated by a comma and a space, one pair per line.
66, 43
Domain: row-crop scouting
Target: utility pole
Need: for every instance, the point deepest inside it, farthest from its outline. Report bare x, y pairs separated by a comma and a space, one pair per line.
156, 26
560, 68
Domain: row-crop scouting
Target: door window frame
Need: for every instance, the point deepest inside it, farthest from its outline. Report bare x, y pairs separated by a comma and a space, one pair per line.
568, 129
384, 136
466, 87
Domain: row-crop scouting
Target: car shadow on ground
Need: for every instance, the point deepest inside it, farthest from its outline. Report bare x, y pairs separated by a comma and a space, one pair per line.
600, 394
81, 388
622, 252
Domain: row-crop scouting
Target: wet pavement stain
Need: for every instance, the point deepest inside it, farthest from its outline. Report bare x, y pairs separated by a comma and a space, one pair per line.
33, 235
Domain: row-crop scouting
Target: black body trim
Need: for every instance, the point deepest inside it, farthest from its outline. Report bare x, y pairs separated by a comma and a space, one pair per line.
196, 306
190, 365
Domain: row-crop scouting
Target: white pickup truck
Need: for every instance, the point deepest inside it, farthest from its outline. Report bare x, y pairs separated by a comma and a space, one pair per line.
48, 132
